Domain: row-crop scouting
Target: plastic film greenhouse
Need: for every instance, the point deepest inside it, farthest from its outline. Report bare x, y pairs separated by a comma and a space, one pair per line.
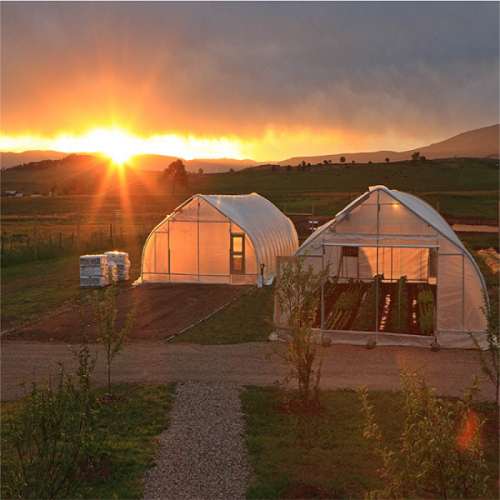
398, 274
219, 239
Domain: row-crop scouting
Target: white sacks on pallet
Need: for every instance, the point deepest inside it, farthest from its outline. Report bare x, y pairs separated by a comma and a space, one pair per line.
122, 263
95, 270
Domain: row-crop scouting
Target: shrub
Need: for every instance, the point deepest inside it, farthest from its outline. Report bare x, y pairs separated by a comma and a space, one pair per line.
431, 460
52, 437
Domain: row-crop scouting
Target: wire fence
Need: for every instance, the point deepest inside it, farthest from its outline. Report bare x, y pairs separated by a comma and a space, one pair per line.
39, 241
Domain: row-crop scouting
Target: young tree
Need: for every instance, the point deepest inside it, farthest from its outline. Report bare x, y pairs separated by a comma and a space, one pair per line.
105, 313
177, 171
342, 159
415, 156
387, 160
298, 295
200, 171
431, 462
490, 362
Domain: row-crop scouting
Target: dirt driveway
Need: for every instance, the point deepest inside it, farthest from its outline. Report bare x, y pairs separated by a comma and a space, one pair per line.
449, 370
163, 310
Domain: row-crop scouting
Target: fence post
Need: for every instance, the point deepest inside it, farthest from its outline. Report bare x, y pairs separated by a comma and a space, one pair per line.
114, 228
50, 240
143, 222
36, 256
78, 229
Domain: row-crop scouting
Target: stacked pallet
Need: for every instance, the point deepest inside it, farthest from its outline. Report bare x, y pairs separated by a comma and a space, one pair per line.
122, 264
96, 270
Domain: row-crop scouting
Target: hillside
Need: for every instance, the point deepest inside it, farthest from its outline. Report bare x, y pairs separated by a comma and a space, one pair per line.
8, 160
209, 166
479, 143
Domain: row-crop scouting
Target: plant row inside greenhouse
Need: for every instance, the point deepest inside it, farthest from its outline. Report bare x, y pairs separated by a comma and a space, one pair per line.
385, 306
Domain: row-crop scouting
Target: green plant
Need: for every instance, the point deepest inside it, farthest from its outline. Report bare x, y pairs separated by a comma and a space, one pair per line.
426, 309
366, 320
490, 363
297, 293
105, 313
399, 315
52, 438
440, 450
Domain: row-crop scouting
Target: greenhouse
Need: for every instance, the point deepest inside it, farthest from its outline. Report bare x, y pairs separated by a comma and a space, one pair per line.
398, 275
219, 239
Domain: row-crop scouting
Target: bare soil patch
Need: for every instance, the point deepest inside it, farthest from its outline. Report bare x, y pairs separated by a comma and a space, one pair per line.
163, 310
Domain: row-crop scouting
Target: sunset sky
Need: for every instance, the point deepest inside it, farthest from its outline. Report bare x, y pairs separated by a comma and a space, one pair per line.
245, 80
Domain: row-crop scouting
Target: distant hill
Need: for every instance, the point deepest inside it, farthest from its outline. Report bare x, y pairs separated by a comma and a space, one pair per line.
11, 159
479, 143
209, 166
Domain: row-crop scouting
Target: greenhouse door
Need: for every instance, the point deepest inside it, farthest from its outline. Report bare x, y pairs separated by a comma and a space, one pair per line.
238, 253
350, 262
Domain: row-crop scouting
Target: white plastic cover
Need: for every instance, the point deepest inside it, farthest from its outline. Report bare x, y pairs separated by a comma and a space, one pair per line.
381, 222
193, 244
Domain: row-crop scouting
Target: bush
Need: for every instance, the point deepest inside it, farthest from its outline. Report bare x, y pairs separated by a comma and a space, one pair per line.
431, 461
52, 437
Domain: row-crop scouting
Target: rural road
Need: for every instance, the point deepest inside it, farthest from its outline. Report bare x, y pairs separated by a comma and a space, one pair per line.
344, 366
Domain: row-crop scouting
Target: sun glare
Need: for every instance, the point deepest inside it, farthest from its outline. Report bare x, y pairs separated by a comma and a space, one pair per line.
120, 145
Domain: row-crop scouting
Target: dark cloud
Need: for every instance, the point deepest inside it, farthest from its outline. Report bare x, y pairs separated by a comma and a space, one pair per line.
416, 70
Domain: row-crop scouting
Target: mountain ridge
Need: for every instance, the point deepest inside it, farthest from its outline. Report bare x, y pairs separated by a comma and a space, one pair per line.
477, 143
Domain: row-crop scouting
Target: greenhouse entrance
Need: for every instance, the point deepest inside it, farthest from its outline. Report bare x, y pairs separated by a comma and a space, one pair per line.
406, 303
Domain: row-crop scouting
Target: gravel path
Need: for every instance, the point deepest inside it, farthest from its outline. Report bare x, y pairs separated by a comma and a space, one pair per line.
201, 455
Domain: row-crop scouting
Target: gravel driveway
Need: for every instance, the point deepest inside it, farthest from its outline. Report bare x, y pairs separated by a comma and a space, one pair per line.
344, 366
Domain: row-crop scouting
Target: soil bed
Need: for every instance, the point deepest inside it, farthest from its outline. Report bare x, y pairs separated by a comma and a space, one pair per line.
163, 310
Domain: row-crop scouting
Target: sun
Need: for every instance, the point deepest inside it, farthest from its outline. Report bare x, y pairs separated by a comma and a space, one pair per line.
117, 156
114, 144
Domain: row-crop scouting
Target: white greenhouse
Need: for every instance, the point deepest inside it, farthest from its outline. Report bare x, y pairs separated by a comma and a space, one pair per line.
398, 274
219, 239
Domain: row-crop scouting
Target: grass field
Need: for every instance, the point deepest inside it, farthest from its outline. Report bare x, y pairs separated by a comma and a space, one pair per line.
247, 319
131, 441
343, 460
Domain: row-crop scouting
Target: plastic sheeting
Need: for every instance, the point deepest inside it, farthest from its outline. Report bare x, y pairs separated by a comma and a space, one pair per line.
395, 235
193, 244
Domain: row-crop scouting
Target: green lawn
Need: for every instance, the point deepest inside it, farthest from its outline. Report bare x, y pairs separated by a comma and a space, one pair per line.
342, 459
247, 319
131, 440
